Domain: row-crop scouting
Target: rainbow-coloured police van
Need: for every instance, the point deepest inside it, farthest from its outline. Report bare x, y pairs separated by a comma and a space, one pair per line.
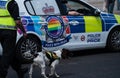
48, 27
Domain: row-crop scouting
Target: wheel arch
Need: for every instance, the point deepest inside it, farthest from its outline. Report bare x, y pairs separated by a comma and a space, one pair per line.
31, 35
110, 31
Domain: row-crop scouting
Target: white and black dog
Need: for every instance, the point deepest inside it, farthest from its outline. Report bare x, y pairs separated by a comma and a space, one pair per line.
42, 59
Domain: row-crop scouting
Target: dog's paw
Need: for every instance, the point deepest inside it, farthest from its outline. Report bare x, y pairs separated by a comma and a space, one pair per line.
57, 76
54, 76
44, 76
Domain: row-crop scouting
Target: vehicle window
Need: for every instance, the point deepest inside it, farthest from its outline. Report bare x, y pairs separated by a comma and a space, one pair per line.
42, 7
29, 8
75, 5
79, 7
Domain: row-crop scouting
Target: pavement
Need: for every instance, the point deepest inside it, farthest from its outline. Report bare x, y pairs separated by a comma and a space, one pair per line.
99, 5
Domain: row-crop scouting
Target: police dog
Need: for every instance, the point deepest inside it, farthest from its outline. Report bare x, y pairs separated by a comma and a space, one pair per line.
43, 58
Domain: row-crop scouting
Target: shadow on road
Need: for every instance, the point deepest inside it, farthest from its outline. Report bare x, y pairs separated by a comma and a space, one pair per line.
89, 52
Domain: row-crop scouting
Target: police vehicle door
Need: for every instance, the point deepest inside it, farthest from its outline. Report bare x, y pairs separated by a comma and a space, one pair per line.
86, 27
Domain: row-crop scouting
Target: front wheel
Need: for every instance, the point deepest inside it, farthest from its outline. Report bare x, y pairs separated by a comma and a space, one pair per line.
27, 48
113, 42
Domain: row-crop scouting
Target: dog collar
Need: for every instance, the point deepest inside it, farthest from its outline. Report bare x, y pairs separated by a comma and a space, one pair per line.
52, 57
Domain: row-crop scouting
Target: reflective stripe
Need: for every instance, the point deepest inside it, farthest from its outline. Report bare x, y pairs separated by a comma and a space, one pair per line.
93, 24
4, 12
5, 16
117, 18
7, 27
6, 21
3, 8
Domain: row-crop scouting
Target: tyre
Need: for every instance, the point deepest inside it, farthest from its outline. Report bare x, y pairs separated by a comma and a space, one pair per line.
113, 42
27, 48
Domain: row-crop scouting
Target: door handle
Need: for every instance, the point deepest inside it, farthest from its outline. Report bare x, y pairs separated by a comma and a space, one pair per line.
43, 23
74, 23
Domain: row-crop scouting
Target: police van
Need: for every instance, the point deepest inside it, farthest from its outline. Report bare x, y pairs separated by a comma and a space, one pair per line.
48, 27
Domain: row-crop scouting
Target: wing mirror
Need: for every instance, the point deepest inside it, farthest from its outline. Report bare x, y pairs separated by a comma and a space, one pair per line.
97, 12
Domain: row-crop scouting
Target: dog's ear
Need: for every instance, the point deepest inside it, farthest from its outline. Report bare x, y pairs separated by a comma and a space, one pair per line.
65, 53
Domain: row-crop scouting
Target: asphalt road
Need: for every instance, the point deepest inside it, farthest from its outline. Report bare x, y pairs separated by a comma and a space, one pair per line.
87, 64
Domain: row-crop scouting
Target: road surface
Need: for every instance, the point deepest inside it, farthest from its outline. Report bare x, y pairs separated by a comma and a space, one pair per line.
92, 64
